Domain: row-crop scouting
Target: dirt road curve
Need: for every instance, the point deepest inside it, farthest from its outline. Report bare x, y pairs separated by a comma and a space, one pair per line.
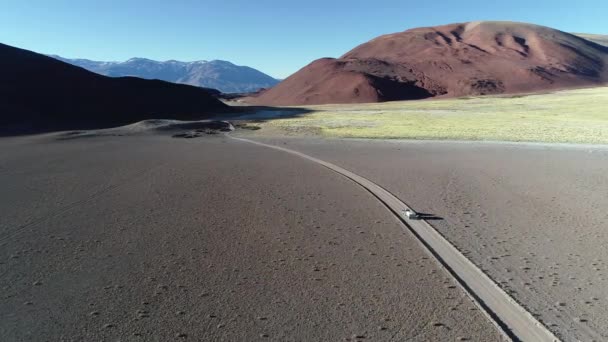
515, 321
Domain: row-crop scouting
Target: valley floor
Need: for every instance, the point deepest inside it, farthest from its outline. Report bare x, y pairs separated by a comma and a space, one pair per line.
132, 233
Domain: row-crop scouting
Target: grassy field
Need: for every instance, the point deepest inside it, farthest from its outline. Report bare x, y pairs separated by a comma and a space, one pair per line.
574, 116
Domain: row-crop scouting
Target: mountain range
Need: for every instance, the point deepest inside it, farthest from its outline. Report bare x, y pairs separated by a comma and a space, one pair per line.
462, 59
221, 75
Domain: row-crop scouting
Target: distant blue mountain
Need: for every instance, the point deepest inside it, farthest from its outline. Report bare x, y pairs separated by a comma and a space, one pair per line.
221, 75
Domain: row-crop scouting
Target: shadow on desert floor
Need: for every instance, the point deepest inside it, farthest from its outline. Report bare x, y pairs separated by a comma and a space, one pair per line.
249, 113
429, 217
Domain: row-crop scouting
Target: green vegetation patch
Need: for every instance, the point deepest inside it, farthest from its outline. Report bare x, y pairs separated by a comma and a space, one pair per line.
574, 116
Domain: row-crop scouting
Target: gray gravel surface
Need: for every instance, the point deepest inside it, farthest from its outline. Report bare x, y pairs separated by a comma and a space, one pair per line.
153, 238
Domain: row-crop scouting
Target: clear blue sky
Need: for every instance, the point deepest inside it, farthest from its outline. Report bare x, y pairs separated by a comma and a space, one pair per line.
277, 37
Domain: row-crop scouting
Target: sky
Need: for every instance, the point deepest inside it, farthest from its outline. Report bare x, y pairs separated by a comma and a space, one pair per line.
276, 37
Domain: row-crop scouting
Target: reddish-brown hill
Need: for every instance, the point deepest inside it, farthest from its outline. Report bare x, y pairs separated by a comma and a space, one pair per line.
475, 58
43, 93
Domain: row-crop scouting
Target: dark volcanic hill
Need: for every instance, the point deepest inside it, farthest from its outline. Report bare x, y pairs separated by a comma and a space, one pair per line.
475, 58
221, 75
40, 91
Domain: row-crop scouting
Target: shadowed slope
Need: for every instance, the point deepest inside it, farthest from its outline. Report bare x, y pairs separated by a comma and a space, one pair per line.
41, 92
601, 39
331, 80
475, 58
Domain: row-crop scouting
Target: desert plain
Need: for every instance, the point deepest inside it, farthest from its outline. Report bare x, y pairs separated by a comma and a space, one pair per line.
136, 233
207, 239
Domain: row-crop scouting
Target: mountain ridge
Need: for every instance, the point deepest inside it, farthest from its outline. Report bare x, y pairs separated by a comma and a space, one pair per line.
601, 39
222, 75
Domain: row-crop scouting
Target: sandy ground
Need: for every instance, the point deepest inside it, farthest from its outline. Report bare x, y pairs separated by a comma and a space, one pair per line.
532, 216
152, 238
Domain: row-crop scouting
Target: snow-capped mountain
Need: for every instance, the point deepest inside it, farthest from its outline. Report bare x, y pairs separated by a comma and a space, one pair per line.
221, 75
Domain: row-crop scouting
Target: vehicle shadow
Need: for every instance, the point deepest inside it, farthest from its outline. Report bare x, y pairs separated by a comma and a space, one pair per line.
429, 217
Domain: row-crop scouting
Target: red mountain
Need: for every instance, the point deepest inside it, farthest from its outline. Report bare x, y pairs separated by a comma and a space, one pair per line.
475, 58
